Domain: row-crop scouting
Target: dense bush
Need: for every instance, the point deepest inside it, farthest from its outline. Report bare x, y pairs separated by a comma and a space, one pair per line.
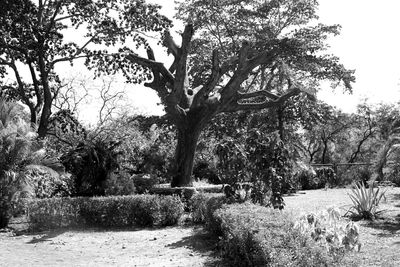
91, 163
257, 236
119, 184
46, 183
326, 177
202, 207
144, 182
121, 211
204, 170
270, 168
308, 178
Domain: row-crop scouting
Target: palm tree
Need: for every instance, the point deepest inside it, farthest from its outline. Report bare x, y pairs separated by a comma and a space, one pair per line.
19, 149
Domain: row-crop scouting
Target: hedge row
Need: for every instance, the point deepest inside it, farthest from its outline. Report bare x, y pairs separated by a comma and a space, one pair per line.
257, 236
120, 211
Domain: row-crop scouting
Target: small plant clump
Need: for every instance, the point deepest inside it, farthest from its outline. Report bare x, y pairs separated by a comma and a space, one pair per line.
365, 201
330, 231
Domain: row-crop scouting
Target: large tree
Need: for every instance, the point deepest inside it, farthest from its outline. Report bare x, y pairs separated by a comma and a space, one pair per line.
235, 56
35, 36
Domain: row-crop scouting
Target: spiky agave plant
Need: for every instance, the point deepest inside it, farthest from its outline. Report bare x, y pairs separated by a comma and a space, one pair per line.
365, 201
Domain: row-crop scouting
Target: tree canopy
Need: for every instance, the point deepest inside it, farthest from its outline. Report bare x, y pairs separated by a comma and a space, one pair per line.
34, 39
235, 56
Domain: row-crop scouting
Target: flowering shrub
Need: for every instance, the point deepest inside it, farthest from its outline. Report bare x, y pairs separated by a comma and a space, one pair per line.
327, 229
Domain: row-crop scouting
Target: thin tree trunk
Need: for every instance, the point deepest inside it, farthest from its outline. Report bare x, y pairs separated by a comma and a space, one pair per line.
33, 115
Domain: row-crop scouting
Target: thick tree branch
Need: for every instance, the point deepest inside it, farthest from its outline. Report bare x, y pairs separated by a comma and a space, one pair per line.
181, 75
216, 73
152, 65
242, 96
237, 106
172, 47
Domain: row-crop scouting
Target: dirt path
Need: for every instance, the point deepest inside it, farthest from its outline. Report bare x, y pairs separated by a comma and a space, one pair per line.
172, 246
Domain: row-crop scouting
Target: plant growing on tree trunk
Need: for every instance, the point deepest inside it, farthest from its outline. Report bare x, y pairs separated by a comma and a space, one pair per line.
245, 55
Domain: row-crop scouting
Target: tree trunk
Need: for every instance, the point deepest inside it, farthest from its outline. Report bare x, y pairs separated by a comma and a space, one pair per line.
33, 115
44, 120
184, 155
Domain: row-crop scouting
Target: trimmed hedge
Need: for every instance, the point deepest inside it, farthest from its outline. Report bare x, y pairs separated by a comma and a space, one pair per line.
257, 236
119, 211
202, 207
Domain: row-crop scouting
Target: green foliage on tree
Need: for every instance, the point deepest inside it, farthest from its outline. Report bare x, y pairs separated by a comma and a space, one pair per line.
34, 35
263, 53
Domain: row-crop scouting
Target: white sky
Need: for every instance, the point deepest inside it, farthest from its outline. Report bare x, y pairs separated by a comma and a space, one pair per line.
369, 43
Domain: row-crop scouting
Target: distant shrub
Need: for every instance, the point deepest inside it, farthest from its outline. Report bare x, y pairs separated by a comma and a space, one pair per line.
144, 182
326, 177
394, 174
305, 178
309, 178
257, 236
120, 184
119, 211
203, 170
353, 174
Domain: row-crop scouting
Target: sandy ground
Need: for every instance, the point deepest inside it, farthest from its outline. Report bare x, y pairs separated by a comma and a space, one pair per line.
171, 246
380, 239
190, 245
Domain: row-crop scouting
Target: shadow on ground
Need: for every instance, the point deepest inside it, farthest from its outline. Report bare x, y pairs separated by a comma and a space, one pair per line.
201, 242
388, 227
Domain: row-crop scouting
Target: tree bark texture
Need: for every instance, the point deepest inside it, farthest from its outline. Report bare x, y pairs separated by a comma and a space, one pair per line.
184, 156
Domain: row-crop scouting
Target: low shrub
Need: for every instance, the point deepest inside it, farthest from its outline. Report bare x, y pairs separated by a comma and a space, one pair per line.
119, 211
203, 205
253, 235
329, 230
